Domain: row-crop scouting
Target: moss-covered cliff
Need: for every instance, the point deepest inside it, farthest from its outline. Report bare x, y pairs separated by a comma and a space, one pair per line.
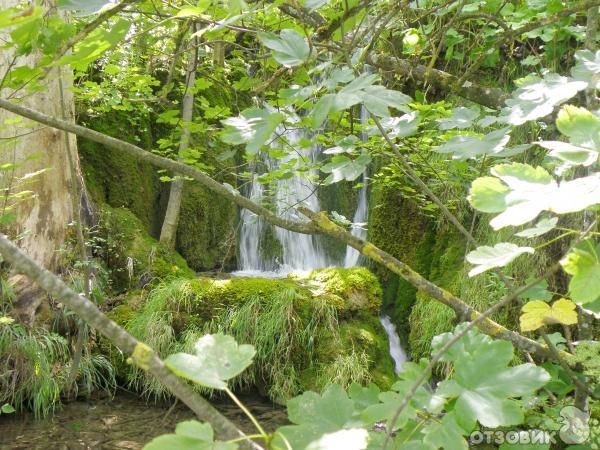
397, 225
207, 222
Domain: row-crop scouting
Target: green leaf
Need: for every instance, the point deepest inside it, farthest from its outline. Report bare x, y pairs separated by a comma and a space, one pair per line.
7, 409
192, 11
84, 7
350, 439
289, 48
488, 194
569, 153
499, 255
252, 127
446, 434
95, 45
377, 99
342, 168
218, 359
540, 228
464, 146
403, 126
587, 68
11, 17
538, 291
580, 126
190, 435
583, 264
484, 386
315, 416
461, 118
537, 97
537, 313
531, 191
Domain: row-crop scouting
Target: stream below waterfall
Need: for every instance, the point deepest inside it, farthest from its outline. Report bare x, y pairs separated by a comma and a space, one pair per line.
122, 422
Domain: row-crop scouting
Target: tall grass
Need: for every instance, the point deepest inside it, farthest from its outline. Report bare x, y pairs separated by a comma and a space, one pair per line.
284, 327
31, 368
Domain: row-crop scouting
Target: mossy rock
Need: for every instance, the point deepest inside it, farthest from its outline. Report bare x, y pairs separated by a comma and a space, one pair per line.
309, 332
115, 177
132, 256
206, 234
357, 287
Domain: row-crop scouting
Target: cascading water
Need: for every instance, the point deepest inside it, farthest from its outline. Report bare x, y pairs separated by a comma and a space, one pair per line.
396, 351
299, 252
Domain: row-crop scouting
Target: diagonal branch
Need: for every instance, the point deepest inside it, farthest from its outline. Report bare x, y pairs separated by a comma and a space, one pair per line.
163, 163
462, 308
486, 96
320, 223
141, 354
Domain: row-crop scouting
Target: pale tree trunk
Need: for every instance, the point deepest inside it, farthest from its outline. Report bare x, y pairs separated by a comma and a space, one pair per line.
43, 219
168, 231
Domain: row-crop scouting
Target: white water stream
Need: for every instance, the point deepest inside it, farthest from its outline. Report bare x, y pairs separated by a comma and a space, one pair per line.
298, 252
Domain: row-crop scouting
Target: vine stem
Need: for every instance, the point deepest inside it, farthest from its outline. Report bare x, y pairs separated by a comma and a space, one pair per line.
246, 411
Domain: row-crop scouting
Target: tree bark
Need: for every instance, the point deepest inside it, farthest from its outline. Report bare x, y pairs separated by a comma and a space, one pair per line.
168, 232
43, 219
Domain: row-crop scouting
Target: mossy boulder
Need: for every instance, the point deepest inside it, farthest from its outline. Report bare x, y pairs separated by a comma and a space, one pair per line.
132, 256
206, 234
309, 331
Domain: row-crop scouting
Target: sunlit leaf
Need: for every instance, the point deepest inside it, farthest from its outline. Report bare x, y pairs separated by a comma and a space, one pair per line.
537, 313
587, 68
537, 97
252, 127
461, 118
218, 359
466, 146
190, 435
499, 255
540, 228
583, 264
528, 192
343, 167
289, 48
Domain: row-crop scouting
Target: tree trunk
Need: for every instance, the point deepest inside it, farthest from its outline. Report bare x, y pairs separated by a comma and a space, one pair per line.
169, 227
43, 218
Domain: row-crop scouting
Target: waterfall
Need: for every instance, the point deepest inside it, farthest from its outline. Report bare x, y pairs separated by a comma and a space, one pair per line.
361, 215
359, 222
299, 252
396, 351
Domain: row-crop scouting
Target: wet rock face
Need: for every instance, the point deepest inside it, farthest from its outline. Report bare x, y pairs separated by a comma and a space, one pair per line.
309, 331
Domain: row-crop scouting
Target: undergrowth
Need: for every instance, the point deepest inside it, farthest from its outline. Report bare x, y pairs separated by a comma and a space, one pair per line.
283, 325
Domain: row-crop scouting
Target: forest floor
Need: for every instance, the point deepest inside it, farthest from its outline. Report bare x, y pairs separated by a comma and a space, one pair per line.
122, 422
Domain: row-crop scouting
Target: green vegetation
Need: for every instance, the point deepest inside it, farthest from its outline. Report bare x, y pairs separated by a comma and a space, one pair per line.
308, 332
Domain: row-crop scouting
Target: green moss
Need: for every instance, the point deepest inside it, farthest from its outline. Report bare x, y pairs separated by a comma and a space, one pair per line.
131, 254
308, 332
357, 287
207, 229
114, 177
